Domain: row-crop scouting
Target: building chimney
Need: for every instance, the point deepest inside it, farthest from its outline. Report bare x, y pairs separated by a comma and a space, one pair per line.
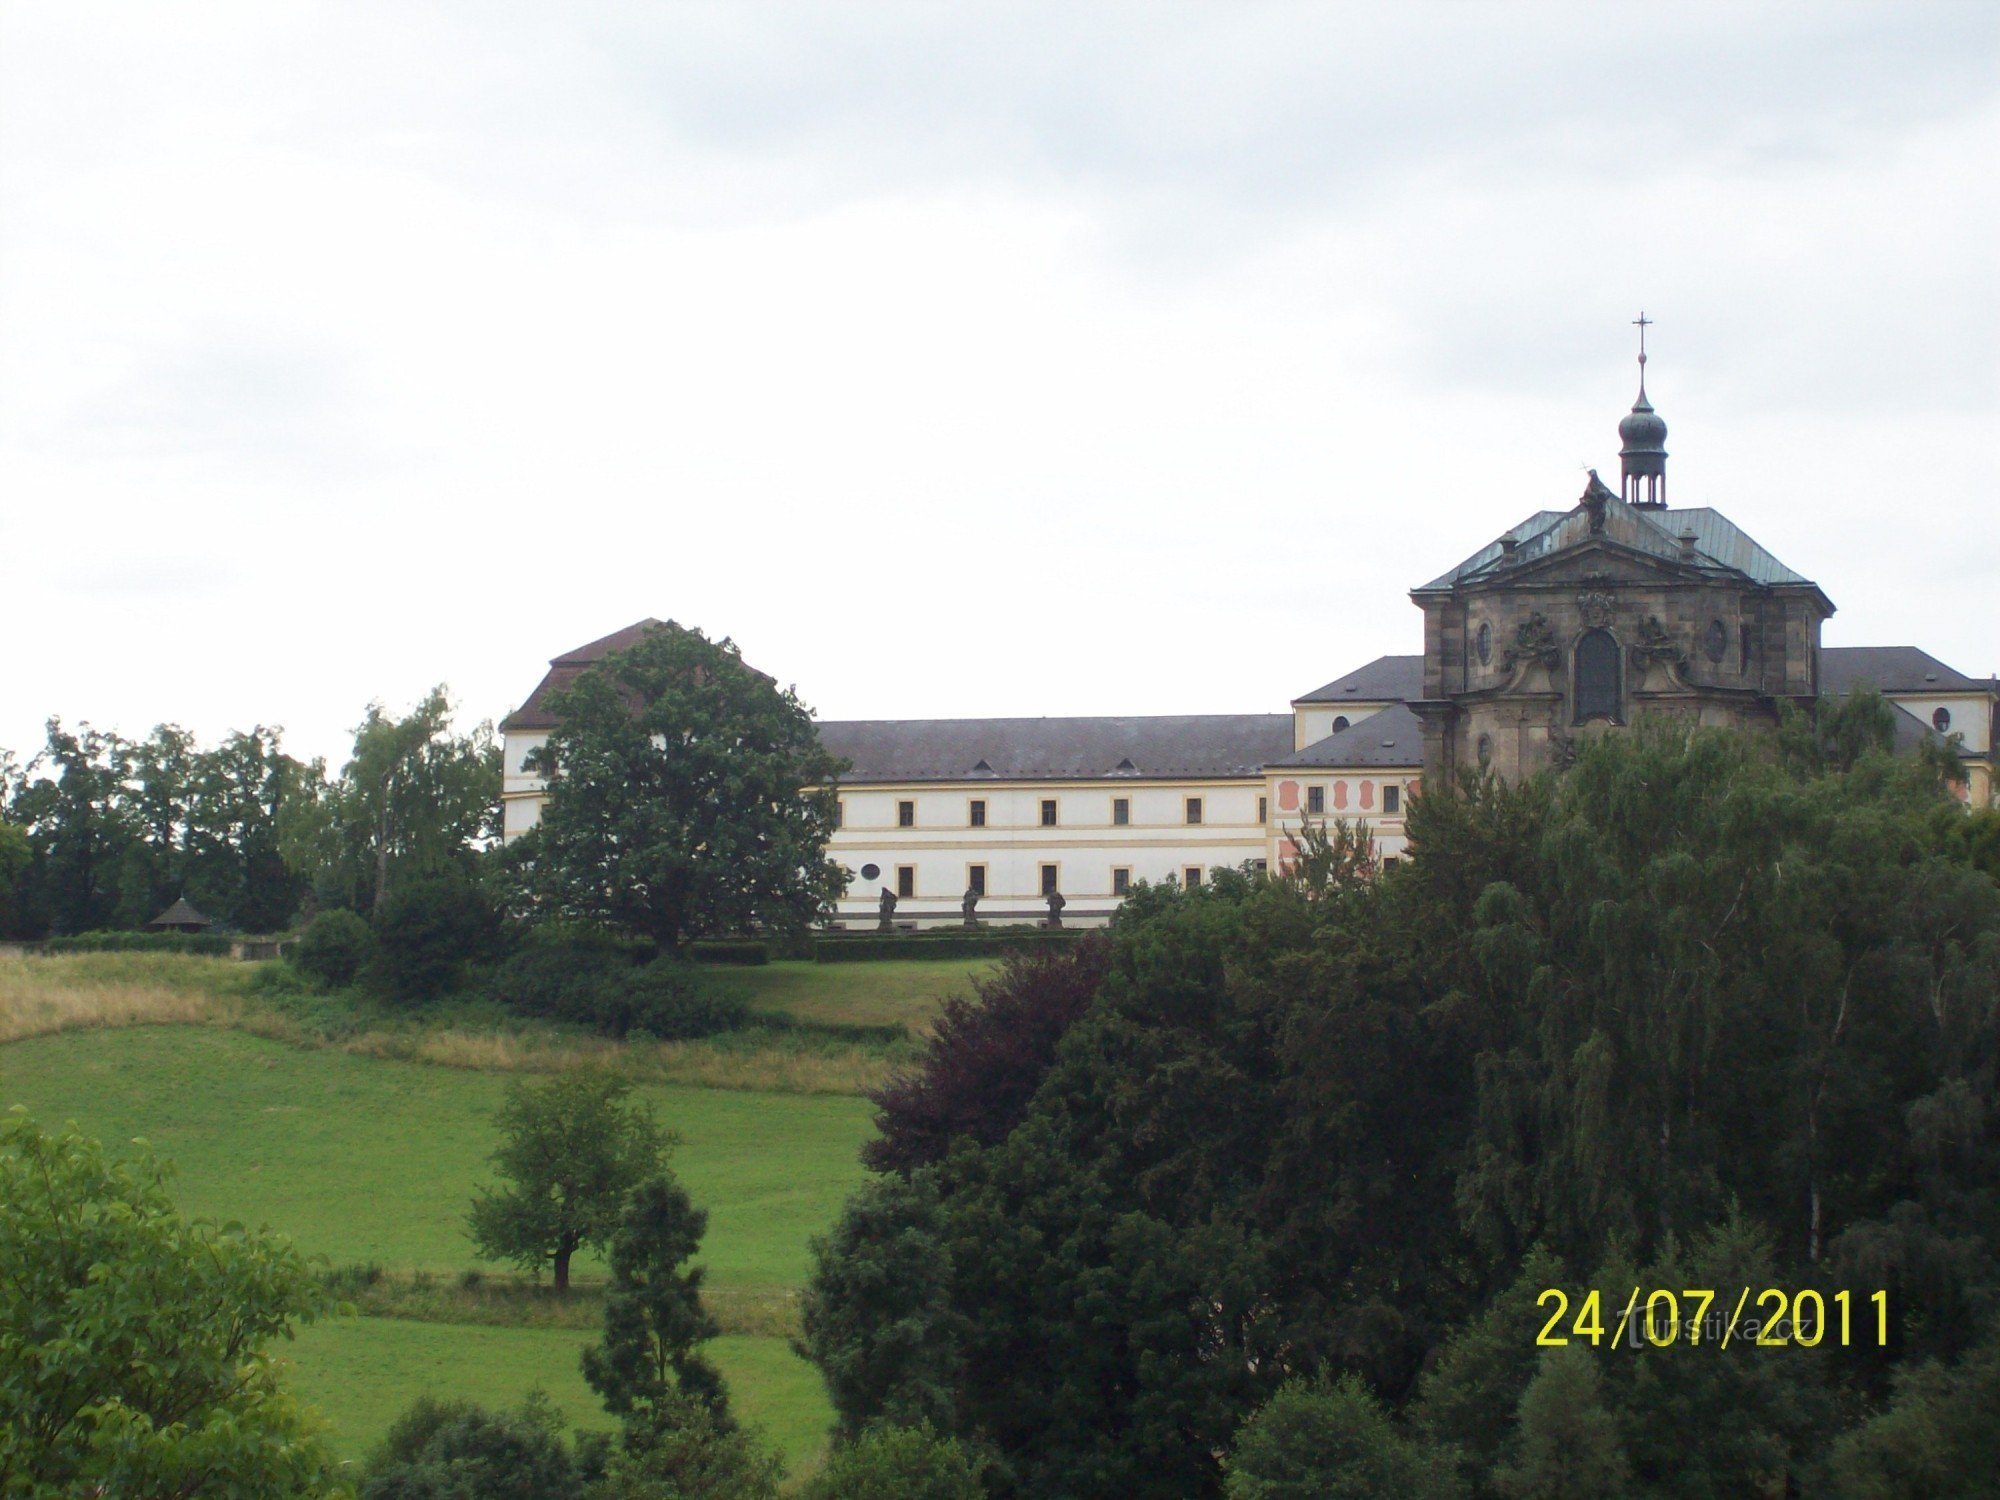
1687, 546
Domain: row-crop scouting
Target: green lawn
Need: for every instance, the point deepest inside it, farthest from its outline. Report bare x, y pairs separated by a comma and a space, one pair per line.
361, 1159
899, 992
360, 1372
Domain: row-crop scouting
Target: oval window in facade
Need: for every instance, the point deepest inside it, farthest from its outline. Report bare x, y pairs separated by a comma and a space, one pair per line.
871, 872
1941, 721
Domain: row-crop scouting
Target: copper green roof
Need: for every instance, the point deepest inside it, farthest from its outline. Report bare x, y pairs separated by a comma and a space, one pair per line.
1721, 546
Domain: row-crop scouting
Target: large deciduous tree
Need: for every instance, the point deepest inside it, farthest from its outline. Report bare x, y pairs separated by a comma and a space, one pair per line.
134, 1343
687, 795
416, 800
574, 1150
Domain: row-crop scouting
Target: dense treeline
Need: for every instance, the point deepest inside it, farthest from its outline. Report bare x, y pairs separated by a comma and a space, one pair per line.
100, 832
1705, 1012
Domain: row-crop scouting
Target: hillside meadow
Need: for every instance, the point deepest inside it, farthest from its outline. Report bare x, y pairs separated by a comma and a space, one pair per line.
365, 1144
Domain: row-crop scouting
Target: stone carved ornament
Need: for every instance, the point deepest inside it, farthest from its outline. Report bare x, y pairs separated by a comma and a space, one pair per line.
1595, 607
1534, 641
1657, 644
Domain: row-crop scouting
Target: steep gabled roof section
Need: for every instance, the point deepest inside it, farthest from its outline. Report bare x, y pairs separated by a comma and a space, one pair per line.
566, 668
1891, 669
1393, 678
1720, 546
1392, 737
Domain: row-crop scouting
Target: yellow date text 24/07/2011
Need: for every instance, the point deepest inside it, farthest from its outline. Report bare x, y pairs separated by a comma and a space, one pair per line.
1694, 1316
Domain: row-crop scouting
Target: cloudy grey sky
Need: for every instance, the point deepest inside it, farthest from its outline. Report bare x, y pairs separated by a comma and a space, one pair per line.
955, 359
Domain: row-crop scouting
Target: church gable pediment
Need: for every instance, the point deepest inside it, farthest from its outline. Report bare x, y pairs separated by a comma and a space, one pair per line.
1598, 561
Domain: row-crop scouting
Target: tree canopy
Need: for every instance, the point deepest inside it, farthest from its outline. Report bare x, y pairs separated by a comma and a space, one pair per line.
135, 1344
1697, 1012
687, 795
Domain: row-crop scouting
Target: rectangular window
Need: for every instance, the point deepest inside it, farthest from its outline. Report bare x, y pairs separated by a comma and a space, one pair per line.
906, 880
906, 815
1263, 809
1261, 866
1389, 862
839, 813
975, 877
1193, 873
1194, 809
1049, 813
1315, 799
1121, 811
1048, 880
1392, 799
1121, 881
978, 814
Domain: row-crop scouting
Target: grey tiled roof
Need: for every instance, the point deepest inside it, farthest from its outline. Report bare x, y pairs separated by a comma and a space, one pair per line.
1721, 546
1175, 745
1891, 669
1392, 737
1386, 677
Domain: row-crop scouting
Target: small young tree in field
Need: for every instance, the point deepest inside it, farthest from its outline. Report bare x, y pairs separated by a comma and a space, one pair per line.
133, 1342
574, 1149
653, 1318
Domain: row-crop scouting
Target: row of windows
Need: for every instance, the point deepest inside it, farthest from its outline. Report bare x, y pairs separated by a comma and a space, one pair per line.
1047, 813
1121, 809
1392, 799
1048, 881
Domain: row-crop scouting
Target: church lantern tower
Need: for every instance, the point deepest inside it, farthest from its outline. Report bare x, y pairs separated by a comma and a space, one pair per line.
1643, 443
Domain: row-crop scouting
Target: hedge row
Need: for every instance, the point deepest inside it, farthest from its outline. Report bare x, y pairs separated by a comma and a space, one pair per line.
730, 951
985, 943
139, 942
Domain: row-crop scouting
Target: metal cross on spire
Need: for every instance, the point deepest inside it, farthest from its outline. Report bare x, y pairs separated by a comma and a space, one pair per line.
1642, 323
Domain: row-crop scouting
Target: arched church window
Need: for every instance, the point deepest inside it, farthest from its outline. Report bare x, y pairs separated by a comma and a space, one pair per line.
1941, 721
1483, 642
1597, 677
1716, 641
1486, 750
1339, 722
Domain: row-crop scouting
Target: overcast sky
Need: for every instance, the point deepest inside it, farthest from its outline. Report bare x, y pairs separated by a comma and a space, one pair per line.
954, 359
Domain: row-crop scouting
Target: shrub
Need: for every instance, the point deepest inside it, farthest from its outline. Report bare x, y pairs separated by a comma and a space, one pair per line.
596, 985
555, 981
749, 951
986, 1056
425, 934
208, 943
333, 949
898, 1463
441, 1450
666, 999
1333, 1442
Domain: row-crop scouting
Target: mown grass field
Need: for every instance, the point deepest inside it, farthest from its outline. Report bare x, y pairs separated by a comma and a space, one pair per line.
365, 1157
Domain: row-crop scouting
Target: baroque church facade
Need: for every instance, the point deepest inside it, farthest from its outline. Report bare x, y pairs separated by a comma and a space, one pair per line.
1573, 623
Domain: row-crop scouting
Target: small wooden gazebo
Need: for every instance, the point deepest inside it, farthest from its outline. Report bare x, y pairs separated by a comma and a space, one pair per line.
180, 917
